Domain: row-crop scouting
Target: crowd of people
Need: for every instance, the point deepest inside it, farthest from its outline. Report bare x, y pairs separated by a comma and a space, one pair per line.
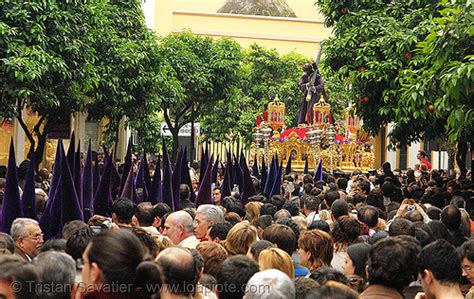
387, 234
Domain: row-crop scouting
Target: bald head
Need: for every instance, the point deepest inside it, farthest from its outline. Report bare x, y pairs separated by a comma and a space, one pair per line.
178, 226
179, 270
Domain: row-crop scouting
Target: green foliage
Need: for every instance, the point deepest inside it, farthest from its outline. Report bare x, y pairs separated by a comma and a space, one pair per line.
202, 73
405, 62
265, 75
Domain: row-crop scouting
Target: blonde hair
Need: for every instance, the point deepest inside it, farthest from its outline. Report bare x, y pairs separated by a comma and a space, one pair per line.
253, 211
275, 258
240, 238
302, 223
408, 201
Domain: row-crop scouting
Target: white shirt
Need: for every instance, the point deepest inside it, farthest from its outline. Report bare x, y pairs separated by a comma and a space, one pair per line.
313, 216
189, 242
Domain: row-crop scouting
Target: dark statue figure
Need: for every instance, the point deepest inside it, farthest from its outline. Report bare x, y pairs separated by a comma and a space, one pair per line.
312, 85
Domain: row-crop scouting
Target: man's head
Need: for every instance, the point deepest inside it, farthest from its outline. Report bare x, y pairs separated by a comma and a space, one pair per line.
184, 192
270, 283
438, 264
55, 268
178, 270
451, 217
7, 243
369, 215
233, 276
216, 195
71, 227
206, 215
21, 274
218, 231
27, 235
160, 210
281, 235
466, 255
421, 154
262, 223
145, 214
392, 262
363, 188
311, 204
339, 208
122, 211
178, 226
401, 226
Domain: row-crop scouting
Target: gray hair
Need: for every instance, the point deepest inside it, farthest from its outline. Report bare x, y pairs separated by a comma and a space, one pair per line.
270, 284
211, 213
183, 218
55, 268
18, 228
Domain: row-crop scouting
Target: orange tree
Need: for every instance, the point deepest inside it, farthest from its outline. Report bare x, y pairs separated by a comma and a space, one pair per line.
406, 62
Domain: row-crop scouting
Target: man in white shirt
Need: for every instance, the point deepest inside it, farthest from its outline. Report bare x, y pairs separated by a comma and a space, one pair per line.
179, 228
310, 208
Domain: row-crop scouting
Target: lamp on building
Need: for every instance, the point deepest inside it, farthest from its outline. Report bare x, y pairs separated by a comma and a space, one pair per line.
321, 111
276, 114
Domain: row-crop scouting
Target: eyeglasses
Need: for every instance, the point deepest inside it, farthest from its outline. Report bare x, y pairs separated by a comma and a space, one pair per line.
37, 237
466, 268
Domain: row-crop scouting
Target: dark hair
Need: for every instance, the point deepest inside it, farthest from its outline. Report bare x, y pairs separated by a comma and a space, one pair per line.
220, 230
330, 197
117, 252
441, 259
24, 274
381, 234
77, 243
311, 203
184, 191
451, 217
293, 225
281, 235
325, 274
233, 276
467, 251
303, 286
369, 215
434, 213
268, 209
6, 241
439, 231
345, 231
401, 226
145, 214
161, 209
148, 242
278, 201
319, 224
54, 245
359, 253
342, 183
264, 221
292, 207
258, 247
71, 227
238, 208
332, 291
148, 277
339, 208
392, 262
124, 209
179, 270
307, 179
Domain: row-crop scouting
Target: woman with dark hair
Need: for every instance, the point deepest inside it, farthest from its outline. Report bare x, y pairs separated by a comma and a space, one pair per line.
440, 231
355, 262
110, 264
345, 232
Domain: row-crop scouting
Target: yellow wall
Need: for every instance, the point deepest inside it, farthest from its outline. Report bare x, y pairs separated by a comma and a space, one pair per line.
302, 34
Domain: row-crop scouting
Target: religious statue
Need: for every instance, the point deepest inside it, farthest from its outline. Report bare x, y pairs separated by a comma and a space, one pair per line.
312, 85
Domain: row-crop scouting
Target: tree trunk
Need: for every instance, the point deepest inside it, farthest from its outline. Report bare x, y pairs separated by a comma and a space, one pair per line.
461, 158
117, 128
175, 132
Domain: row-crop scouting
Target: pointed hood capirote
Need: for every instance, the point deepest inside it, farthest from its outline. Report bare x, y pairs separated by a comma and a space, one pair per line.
264, 175
204, 195
215, 169
50, 221
11, 207
28, 198
255, 171
155, 195
129, 190
318, 176
103, 196
288, 167
167, 186
176, 180
248, 188
77, 175
306, 171
185, 175
88, 186
71, 152
70, 207
127, 166
277, 182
